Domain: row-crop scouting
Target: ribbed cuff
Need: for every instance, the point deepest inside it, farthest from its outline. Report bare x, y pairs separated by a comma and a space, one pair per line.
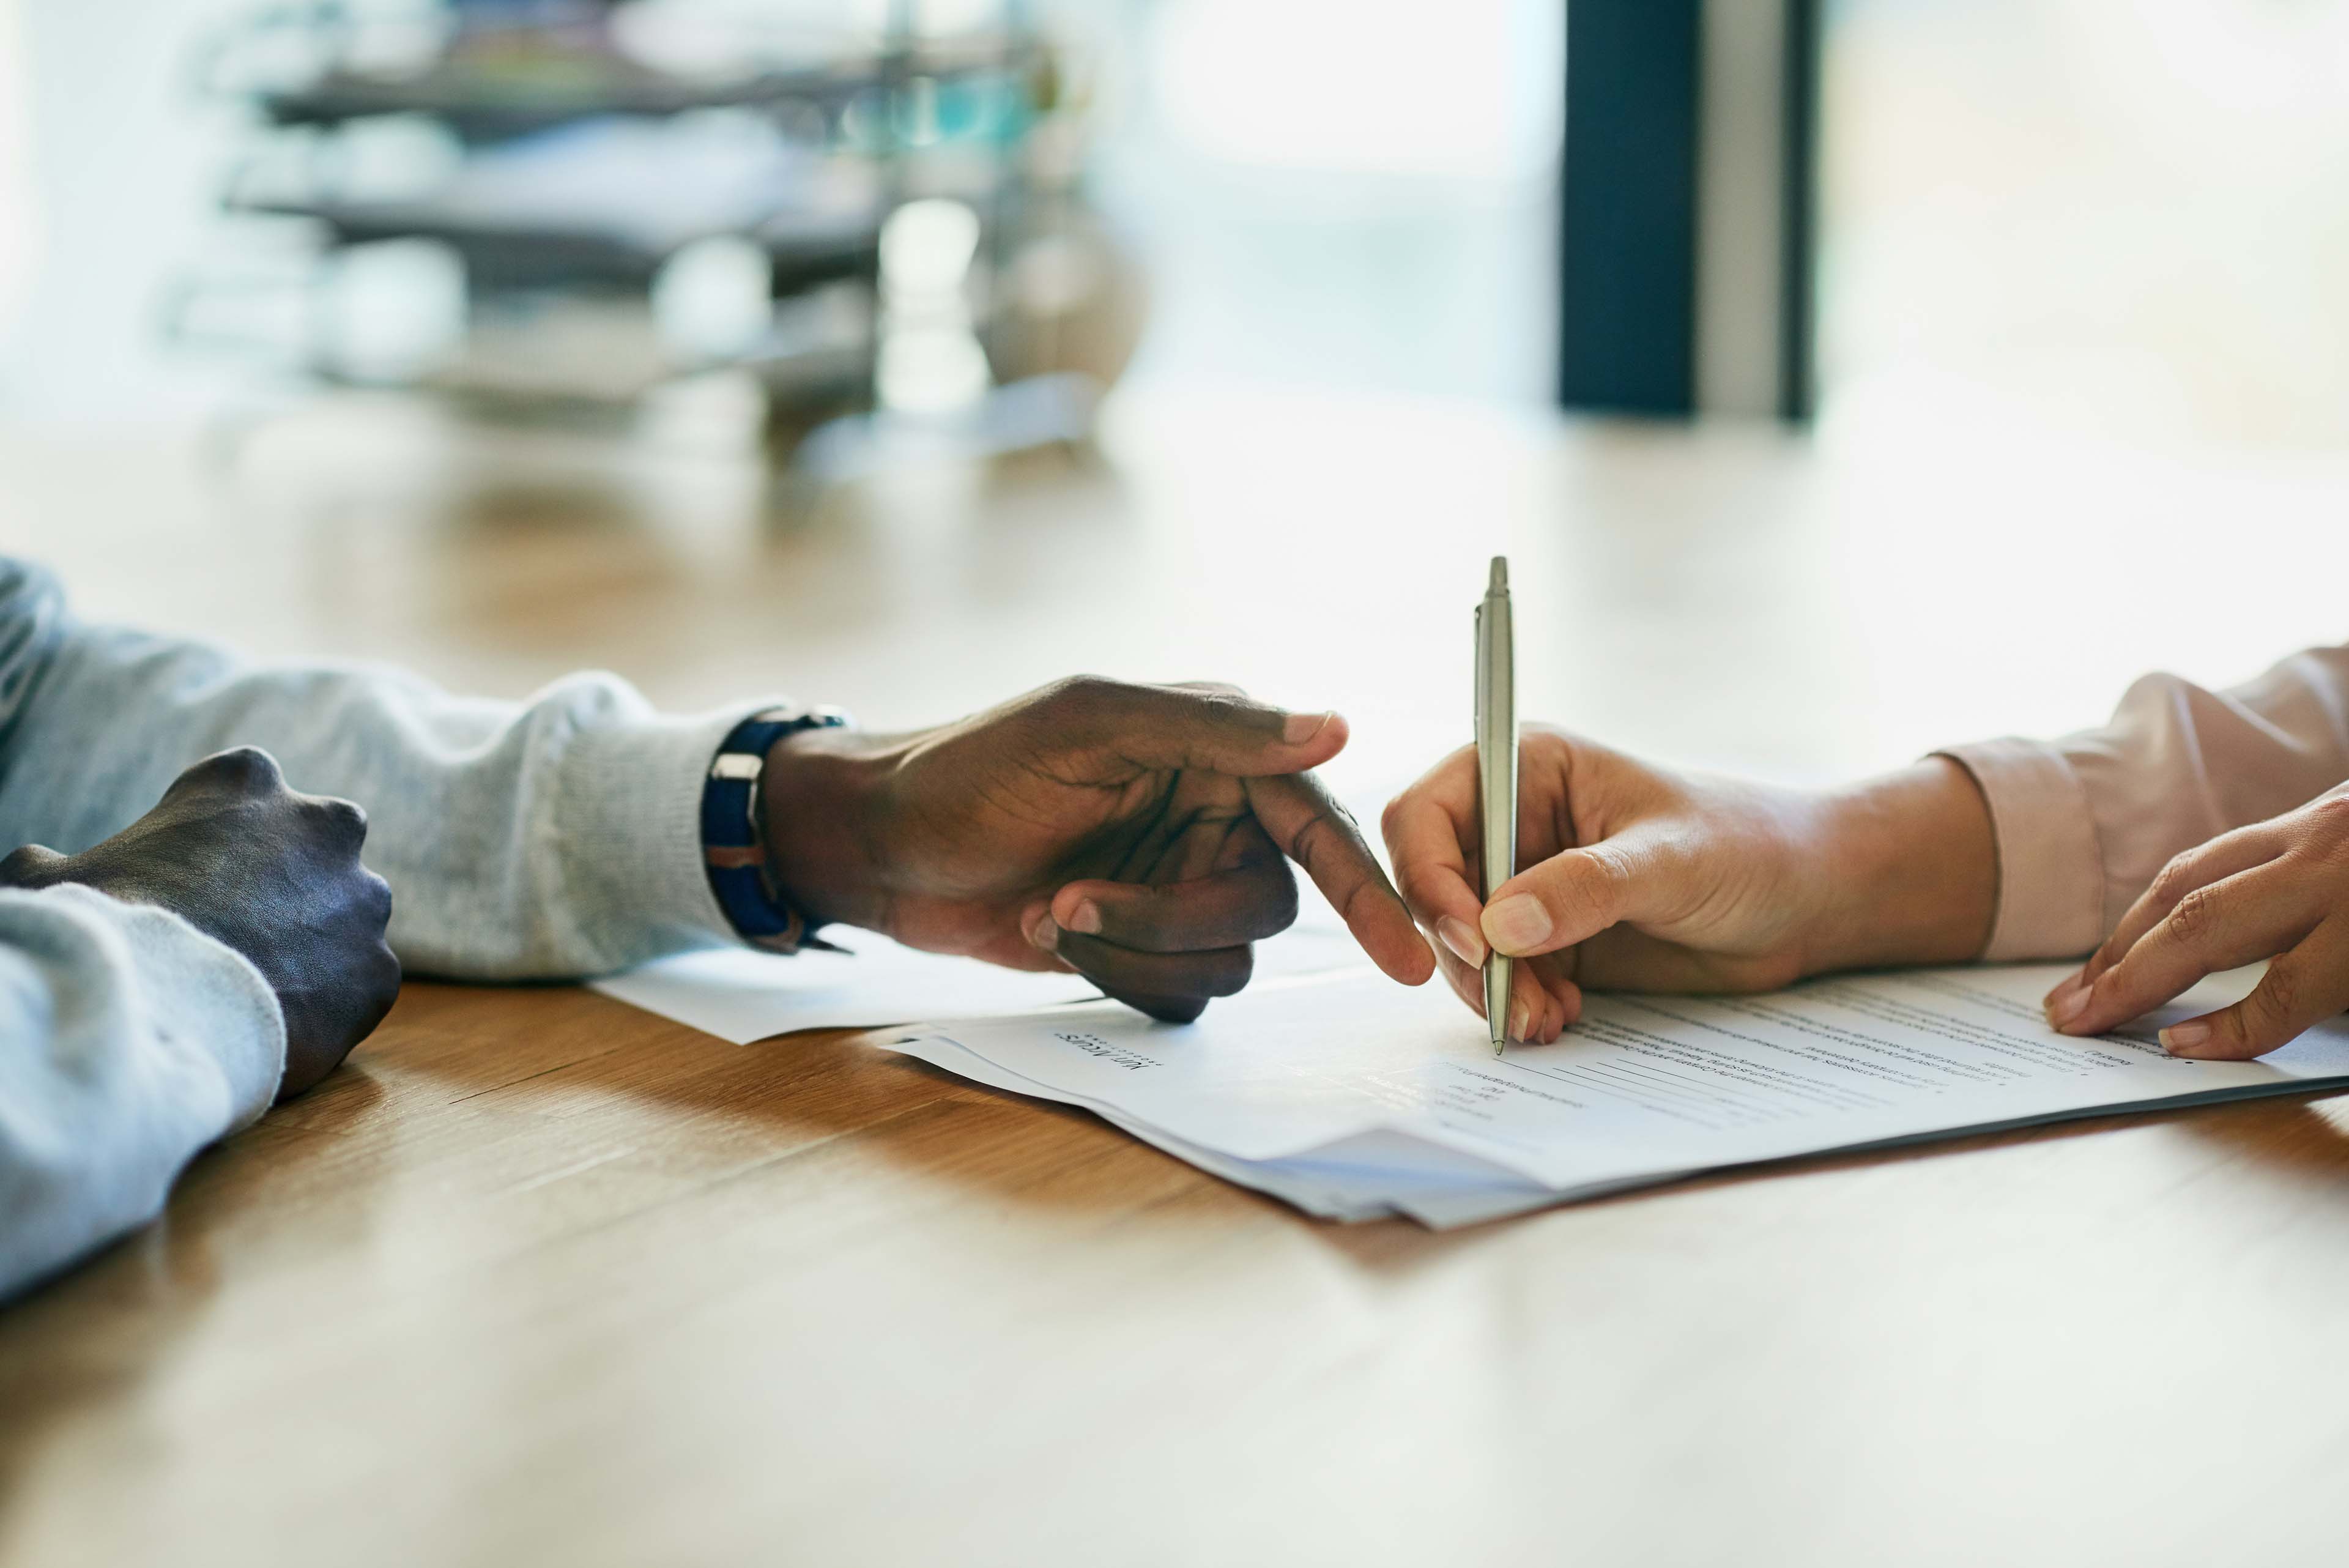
630, 816
2051, 875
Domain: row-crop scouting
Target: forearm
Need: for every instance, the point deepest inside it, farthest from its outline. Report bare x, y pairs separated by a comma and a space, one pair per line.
128, 1040
551, 839
1910, 871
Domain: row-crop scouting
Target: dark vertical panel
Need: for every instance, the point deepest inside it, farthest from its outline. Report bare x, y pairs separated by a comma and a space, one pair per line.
1799, 227
1627, 211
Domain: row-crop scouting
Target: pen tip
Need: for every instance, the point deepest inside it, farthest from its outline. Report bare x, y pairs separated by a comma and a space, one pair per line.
1500, 578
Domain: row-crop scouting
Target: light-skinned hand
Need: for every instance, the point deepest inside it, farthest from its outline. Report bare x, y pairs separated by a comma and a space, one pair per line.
2277, 890
1634, 877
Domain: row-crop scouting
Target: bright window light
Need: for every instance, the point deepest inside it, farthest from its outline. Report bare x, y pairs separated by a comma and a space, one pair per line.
1458, 90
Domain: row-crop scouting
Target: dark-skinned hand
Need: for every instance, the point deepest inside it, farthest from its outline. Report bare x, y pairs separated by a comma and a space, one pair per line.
274, 875
1139, 835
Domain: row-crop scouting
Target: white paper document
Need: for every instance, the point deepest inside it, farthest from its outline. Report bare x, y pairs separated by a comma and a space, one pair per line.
741, 995
1350, 1096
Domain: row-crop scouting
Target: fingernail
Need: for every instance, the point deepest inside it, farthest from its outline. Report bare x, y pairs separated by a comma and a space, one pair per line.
2180, 1039
1521, 1019
1303, 727
1046, 935
1462, 939
1086, 919
1517, 922
2068, 1004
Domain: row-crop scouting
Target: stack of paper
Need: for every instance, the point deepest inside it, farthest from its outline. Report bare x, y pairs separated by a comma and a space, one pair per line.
1351, 1097
741, 995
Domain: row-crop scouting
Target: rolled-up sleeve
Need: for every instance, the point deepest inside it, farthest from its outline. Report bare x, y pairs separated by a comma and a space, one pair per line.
2085, 822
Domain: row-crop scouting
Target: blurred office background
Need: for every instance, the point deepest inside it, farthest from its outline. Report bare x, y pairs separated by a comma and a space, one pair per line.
2126, 216
428, 384
1300, 192
2119, 213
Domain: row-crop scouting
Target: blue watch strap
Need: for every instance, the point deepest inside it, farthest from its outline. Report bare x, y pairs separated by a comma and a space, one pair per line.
732, 845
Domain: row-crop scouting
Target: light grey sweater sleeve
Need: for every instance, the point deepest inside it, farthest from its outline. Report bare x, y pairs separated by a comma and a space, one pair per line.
556, 837
552, 838
128, 1040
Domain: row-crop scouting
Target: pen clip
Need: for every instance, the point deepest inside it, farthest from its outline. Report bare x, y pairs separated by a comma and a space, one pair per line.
1478, 713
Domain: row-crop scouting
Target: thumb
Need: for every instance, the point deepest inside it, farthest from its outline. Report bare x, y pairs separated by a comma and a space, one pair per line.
1575, 895
1209, 727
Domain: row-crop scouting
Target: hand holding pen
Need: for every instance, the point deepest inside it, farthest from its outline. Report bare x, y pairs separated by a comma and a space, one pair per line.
1642, 878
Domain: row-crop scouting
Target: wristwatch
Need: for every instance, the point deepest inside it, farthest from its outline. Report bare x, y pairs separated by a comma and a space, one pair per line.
733, 841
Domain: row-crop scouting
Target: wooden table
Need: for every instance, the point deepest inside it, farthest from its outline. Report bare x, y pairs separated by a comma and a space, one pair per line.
540, 1278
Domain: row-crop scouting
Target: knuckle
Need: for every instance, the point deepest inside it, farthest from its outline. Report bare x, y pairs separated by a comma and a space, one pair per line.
2327, 837
2330, 815
242, 764
21, 864
346, 817
2198, 916
1323, 834
333, 816
1075, 696
1312, 835
1221, 705
2155, 693
2175, 878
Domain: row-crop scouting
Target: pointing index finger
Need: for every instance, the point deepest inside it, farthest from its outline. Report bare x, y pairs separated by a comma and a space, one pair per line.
1313, 829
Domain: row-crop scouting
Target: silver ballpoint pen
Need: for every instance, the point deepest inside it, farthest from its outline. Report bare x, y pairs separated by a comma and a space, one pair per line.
1497, 771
